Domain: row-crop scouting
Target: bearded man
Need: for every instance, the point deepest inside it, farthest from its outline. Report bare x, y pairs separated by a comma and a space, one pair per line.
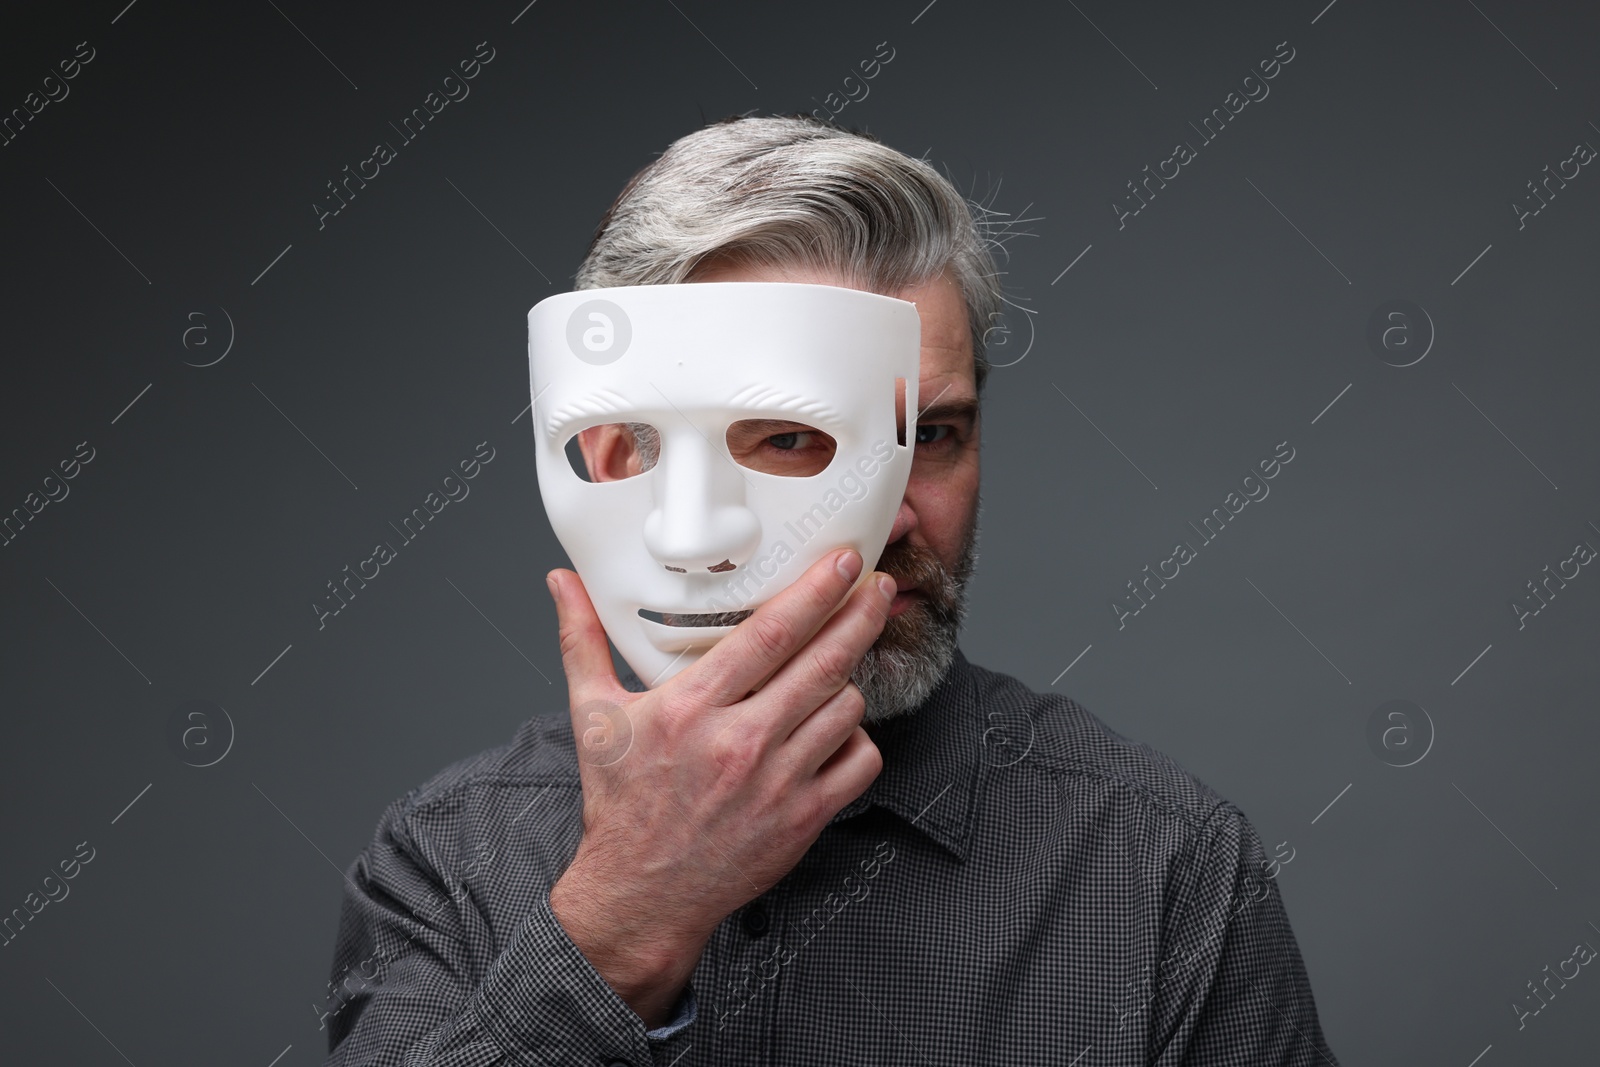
829, 838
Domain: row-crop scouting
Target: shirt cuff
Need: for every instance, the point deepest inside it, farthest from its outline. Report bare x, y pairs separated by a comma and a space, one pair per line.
544, 999
682, 1018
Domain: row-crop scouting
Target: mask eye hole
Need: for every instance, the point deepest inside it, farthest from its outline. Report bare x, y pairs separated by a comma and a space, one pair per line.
780, 446
614, 451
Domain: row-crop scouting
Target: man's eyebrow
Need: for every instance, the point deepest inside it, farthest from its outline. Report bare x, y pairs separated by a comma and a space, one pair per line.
768, 424
957, 408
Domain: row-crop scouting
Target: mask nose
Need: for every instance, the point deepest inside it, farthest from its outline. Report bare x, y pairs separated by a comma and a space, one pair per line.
700, 520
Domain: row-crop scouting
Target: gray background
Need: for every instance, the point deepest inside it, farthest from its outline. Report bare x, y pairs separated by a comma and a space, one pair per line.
178, 178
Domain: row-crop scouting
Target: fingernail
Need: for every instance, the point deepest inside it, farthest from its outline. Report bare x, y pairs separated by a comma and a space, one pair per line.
848, 564
886, 586
550, 584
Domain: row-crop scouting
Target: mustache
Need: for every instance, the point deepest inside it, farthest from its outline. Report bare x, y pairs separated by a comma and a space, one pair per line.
912, 565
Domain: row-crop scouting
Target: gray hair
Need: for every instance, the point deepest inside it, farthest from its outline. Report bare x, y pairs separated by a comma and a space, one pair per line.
792, 190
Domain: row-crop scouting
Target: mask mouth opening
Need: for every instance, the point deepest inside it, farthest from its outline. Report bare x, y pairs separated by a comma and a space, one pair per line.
720, 618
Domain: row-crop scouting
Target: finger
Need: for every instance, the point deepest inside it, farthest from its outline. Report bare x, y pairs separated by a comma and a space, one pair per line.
849, 771
821, 668
758, 646
824, 731
585, 655
827, 661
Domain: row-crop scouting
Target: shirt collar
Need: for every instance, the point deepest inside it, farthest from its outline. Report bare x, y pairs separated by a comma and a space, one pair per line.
932, 756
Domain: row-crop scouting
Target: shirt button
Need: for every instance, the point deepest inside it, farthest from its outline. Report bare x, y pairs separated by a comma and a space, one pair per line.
755, 920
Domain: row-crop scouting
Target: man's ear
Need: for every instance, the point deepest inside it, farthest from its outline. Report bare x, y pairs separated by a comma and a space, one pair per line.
609, 452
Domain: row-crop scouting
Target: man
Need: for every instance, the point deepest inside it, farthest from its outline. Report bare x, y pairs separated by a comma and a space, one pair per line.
842, 844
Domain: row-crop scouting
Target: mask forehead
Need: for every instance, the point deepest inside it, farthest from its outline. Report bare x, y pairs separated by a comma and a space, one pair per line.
697, 533
703, 350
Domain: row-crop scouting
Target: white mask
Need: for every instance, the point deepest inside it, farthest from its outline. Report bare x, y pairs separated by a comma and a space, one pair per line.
691, 360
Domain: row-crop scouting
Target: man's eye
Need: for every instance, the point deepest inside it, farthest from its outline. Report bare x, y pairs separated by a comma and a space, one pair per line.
927, 435
788, 441
795, 450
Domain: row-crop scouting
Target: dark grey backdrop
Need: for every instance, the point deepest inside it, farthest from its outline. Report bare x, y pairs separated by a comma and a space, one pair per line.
163, 208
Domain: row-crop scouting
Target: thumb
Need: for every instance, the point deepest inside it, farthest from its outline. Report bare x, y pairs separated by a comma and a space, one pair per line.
585, 655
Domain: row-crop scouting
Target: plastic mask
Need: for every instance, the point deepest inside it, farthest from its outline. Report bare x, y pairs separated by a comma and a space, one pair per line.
702, 530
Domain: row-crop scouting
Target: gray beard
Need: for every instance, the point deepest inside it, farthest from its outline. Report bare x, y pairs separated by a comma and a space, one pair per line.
914, 652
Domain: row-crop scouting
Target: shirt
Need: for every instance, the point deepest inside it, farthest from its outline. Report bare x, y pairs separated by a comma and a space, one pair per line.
1020, 884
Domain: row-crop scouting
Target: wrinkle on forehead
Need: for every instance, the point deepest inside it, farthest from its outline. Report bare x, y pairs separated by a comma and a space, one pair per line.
772, 398
603, 402
756, 397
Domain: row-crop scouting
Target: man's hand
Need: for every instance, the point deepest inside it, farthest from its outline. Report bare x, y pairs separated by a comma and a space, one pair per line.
700, 795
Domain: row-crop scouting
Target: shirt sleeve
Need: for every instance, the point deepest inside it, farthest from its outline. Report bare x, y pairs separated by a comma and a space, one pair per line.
408, 988
1232, 987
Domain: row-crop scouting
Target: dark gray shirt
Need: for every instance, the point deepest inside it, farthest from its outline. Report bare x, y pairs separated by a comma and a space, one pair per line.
1019, 885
